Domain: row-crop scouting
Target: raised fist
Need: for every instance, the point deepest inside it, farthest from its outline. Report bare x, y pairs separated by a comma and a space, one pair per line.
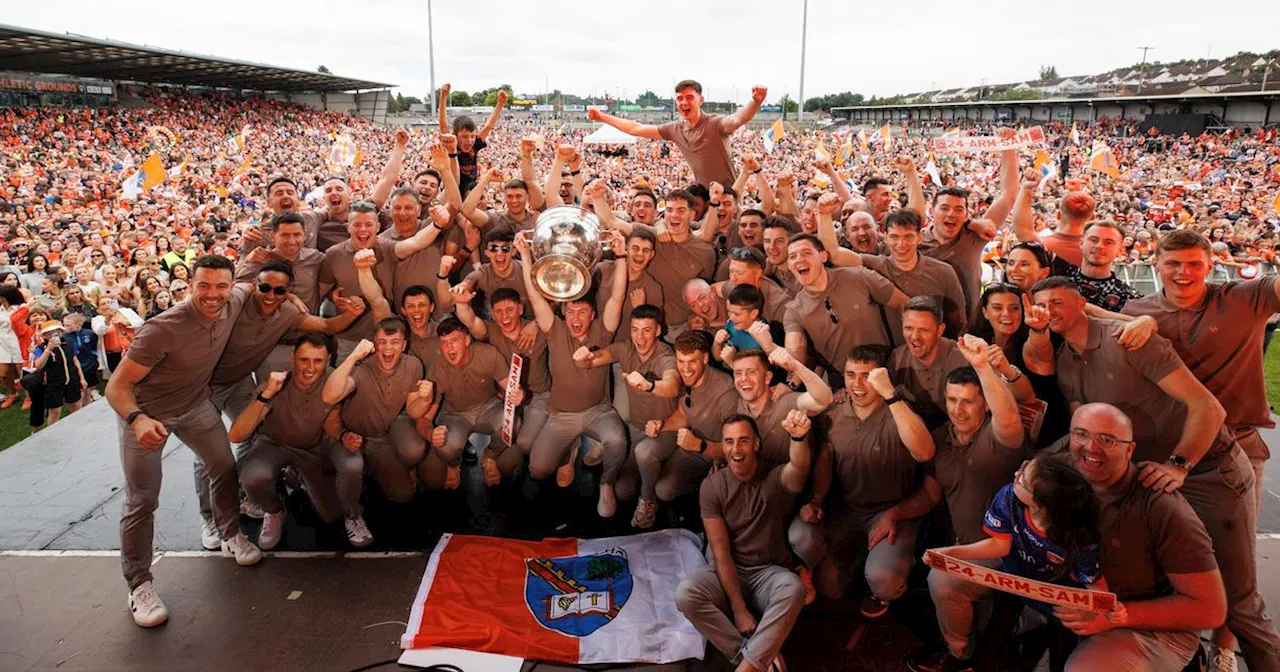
527, 146
879, 380
426, 389
565, 152
828, 204
717, 192
365, 259
494, 174
502, 96
796, 423
636, 380
402, 137
447, 262
275, 382
593, 114
363, 349
905, 164
440, 215
750, 163
759, 93
974, 350
783, 359
583, 355
450, 142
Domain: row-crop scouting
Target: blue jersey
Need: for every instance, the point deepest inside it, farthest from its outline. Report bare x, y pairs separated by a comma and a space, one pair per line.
740, 340
1032, 554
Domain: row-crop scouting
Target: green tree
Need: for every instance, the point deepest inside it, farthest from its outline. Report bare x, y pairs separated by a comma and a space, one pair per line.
459, 99
324, 70
1048, 72
648, 99
788, 105
491, 95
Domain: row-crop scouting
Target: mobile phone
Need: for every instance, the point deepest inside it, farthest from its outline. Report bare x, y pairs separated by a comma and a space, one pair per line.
115, 304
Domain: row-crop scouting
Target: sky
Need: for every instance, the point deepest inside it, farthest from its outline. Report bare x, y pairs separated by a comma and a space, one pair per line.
593, 48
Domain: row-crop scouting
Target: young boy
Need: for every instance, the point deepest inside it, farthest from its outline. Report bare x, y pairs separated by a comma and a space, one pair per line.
63, 380
745, 303
85, 342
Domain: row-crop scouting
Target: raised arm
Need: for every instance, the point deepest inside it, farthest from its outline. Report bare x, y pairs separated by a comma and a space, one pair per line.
542, 310
365, 260
915, 435
536, 199
618, 292
733, 122
252, 415
391, 172
915, 186
349, 310
600, 205
469, 206
1000, 207
424, 237
796, 471
340, 384
492, 121
817, 395
1037, 352
711, 221
828, 205
555, 176
1024, 221
440, 161
786, 204
1006, 424
441, 108
479, 330
837, 184
625, 125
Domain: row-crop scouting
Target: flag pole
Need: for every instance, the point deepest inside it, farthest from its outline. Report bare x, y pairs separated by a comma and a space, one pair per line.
804, 33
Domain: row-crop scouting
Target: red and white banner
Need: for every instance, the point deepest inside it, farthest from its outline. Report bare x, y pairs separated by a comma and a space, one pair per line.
574, 601
1050, 593
990, 143
509, 408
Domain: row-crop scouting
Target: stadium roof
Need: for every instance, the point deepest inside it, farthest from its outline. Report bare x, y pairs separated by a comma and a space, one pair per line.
36, 51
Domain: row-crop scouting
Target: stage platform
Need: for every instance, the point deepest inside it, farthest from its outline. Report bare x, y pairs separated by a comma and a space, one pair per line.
313, 605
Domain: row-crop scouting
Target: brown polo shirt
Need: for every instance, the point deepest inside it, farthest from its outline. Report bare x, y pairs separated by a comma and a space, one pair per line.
1065, 246
970, 475
646, 406
296, 418
704, 145
252, 338
473, 384
311, 222
964, 254
855, 295
534, 374
306, 275
575, 388
181, 346
484, 280
775, 443
421, 267
930, 277
674, 265
1146, 536
788, 280
503, 218
873, 465
339, 270
757, 513
1221, 342
925, 386
707, 405
1106, 372
379, 397
654, 295
424, 347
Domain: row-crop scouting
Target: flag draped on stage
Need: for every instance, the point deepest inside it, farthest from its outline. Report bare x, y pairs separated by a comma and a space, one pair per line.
609, 600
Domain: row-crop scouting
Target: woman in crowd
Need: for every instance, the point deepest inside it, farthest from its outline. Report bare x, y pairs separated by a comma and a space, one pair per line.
33, 280
75, 301
115, 326
11, 279
160, 303
13, 312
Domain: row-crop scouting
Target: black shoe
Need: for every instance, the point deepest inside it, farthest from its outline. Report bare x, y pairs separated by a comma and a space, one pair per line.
938, 662
873, 607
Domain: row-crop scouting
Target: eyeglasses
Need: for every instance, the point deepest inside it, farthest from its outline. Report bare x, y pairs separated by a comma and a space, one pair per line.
504, 247
1104, 441
834, 319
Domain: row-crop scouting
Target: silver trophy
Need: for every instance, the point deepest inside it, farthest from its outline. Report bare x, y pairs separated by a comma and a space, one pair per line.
566, 244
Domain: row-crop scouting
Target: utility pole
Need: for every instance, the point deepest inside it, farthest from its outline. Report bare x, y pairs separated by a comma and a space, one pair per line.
804, 34
431, 59
1142, 75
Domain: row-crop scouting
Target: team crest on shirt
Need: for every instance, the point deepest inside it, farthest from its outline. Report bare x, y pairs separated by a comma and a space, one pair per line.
577, 595
1054, 558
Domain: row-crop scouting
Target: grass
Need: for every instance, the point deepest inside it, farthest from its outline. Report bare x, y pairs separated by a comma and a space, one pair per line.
15, 423
1271, 370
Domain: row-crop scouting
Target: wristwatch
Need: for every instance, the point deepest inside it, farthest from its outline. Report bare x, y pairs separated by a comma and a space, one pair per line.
1180, 462
893, 400
702, 446
802, 437
265, 400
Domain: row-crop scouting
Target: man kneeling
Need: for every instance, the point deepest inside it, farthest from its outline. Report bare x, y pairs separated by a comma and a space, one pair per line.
749, 552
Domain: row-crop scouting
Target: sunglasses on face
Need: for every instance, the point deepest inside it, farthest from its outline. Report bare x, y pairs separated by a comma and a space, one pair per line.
269, 289
504, 247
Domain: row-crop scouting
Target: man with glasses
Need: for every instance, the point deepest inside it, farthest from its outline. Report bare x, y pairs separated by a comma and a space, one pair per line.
1182, 441
501, 270
837, 308
265, 319
1156, 557
904, 266
289, 236
338, 273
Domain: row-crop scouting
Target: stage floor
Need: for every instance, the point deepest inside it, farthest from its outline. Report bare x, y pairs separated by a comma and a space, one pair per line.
63, 606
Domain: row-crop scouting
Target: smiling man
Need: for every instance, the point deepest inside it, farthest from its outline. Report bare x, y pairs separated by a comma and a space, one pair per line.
703, 139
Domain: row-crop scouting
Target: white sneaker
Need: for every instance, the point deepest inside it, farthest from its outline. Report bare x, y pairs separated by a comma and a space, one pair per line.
608, 504
595, 455
358, 533
242, 550
272, 530
210, 537
148, 611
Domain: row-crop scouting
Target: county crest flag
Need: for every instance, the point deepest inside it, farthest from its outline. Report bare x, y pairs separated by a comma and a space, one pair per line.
575, 601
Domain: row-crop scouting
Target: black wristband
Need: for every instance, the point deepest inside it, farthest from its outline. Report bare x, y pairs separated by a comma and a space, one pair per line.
1041, 330
714, 205
702, 446
619, 256
573, 173
800, 438
265, 400
128, 419
453, 155
893, 400
652, 386
468, 250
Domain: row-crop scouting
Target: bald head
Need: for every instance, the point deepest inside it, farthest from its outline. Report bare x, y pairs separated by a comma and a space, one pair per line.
1101, 443
1105, 418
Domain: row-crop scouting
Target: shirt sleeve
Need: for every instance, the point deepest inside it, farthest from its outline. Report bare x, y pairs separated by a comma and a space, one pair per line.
1259, 295
1181, 543
878, 286
709, 501
151, 345
1155, 360
791, 322
668, 130
1000, 515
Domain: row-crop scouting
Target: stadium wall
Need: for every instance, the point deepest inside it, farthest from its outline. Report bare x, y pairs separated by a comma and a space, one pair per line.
1255, 111
371, 105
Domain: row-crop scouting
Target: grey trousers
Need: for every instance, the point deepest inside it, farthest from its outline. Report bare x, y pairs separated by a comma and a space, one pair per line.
533, 417
486, 419
551, 447
1257, 451
1223, 498
202, 430
265, 458
1134, 651
230, 399
775, 593
391, 458
887, 566
667, 471
953, 600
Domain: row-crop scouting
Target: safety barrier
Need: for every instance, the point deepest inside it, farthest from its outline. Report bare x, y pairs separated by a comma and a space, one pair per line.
1143, 276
